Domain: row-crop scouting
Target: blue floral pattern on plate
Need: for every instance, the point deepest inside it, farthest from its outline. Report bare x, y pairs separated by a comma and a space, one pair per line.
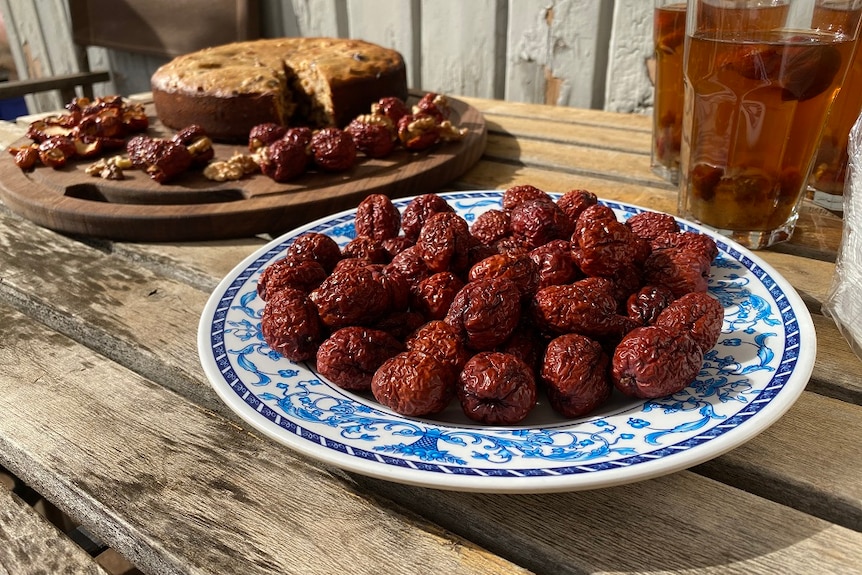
757, 369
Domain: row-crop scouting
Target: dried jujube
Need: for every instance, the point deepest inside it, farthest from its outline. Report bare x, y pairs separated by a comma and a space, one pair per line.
485, 312
350, 297
697, 313
441, 340
434, 295
587, 307
350, 356
302, 275
291, 326
575, 373
414, 383
652, 362
377, 217
316, 246
444, 242
496, 388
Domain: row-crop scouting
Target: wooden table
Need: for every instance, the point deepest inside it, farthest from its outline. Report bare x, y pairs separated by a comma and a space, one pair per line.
105, 411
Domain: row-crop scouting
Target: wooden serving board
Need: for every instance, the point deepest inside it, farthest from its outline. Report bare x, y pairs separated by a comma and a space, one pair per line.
194, 208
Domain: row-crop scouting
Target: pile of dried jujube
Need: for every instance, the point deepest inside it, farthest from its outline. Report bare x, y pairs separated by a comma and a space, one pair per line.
89, 129
541, 296
86, 130
284, 154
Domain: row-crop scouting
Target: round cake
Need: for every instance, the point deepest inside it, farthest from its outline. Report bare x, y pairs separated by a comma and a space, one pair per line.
313, 82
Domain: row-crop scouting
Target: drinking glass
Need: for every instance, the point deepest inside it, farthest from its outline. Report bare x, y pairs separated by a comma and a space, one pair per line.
760, 77
669, 40
830, 166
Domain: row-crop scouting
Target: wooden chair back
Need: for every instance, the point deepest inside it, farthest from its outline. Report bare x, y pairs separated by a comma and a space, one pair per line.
131, 33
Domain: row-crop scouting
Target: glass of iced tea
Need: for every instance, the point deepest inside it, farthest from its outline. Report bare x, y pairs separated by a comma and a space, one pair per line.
669, 40
830, 166
760, 77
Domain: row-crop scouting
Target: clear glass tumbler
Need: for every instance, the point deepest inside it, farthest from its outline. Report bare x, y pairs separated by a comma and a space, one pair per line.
669, 40
760, 77
830, 166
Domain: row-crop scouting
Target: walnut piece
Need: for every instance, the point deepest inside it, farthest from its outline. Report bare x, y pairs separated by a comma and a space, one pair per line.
235, 168
110, 168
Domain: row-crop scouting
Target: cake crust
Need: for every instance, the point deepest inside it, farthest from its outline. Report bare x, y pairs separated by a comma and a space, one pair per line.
318, 82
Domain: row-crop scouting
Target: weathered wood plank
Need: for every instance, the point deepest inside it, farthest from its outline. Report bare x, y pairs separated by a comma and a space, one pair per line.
551, 132
30, 545
758, 464
40, 41
133, 461
463, 46
629, 88
671, 524
393, 24
634, 122
557, 52
303, 18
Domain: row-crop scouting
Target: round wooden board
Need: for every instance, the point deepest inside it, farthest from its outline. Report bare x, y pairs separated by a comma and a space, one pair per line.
194, 208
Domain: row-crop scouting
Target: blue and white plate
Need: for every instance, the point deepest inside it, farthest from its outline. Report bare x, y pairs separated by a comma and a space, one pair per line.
756, 371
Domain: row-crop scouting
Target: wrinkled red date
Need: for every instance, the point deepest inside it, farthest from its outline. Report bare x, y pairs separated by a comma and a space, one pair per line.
575, 373
333, 150
486, 312
434, 295
537, 222
377, 217
496, 388
350, 297
574, 202
652, 362
681, 270
350, 356
555, 263
649, 225
519, 268
290, 325
302, 275
441, 340
523, 193
587, 307
645, 305
697, 313
365, 248
284, 160
490, 226
315, 246
414, 383
417, 212
444, 242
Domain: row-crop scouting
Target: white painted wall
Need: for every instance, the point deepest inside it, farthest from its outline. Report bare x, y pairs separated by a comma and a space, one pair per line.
583, 53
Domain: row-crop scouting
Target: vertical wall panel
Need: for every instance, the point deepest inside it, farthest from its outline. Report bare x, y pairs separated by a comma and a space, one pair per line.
628, 85
463, 47
391, 23
584, 53
556, 52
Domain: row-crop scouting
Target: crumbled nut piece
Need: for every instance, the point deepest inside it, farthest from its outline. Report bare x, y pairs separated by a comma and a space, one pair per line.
235, 168
451, 133
110, 168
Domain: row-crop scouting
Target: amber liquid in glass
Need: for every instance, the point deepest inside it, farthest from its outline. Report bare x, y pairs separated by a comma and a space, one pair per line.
830, 167
750, 133
669, 38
